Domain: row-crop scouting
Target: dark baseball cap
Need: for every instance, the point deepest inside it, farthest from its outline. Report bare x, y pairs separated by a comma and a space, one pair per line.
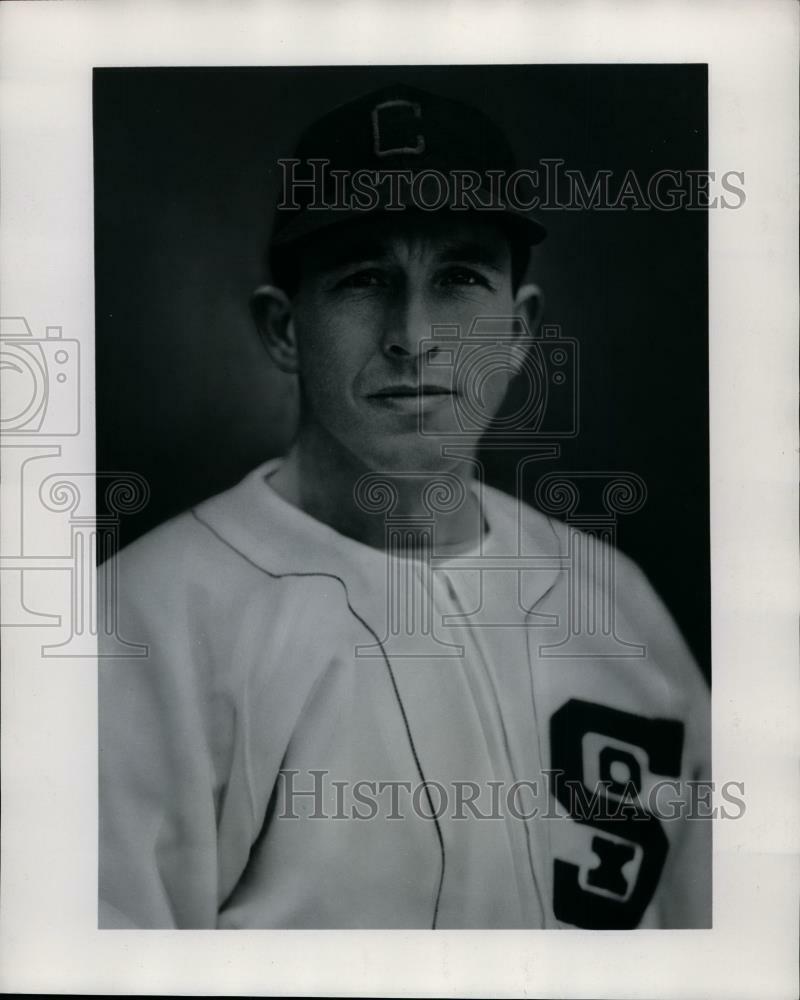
397, 149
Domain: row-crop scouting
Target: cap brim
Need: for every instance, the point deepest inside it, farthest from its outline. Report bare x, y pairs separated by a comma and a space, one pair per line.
310, 221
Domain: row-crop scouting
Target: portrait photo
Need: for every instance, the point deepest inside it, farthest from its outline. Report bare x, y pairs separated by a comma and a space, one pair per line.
405, 621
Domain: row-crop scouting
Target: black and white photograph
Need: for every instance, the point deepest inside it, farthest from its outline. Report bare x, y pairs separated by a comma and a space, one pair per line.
399, 498
428, 646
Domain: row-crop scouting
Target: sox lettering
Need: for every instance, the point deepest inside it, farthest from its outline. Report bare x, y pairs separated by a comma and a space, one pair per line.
608, 900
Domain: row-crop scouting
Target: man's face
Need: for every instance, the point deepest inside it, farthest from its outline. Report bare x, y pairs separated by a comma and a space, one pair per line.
374, 376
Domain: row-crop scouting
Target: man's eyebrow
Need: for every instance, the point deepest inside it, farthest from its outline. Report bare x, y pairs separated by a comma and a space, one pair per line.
352, 252
471, 252
467, 251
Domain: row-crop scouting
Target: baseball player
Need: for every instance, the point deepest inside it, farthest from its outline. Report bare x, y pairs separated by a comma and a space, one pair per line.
364, 700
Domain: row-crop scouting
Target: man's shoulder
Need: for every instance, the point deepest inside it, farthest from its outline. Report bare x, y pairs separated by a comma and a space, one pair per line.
539, 531
578, 553
184, 546
169, 542
591, 568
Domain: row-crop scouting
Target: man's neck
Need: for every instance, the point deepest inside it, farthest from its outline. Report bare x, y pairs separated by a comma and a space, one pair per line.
326, 481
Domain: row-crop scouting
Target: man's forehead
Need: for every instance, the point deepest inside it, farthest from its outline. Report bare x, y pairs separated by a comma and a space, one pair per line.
466, 239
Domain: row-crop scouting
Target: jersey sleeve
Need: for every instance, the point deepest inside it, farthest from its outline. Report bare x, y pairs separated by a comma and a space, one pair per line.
162, 759
684, 895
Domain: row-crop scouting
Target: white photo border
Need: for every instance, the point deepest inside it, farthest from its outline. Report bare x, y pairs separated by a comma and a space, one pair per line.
48, 888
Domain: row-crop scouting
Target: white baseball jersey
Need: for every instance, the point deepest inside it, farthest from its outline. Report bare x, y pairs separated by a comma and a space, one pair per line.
324, 735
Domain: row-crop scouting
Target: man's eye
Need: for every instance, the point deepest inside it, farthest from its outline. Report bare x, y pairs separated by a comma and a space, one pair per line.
363, 279
464, 276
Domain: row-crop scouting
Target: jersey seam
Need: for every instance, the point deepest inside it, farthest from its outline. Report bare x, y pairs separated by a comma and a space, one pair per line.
374, 634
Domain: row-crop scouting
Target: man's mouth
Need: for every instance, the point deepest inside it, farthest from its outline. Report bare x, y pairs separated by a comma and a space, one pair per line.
409, 398
412, 391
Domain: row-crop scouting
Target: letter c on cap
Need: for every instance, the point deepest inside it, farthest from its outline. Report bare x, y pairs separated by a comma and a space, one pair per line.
403, 128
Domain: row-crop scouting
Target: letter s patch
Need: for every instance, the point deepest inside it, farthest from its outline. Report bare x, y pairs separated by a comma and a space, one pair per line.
609, 895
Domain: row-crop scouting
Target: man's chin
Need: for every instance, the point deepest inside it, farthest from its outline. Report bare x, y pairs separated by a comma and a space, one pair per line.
414, 454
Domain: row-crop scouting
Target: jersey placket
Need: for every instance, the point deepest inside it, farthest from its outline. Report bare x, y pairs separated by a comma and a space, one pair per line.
475, 666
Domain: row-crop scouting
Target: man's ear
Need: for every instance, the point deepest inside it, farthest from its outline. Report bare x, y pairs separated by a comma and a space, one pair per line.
529, 304
272, 312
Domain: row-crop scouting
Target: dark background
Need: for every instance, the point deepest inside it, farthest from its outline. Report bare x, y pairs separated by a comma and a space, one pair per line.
185, 183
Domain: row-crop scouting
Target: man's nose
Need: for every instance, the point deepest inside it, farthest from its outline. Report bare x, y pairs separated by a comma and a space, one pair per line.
408, 326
